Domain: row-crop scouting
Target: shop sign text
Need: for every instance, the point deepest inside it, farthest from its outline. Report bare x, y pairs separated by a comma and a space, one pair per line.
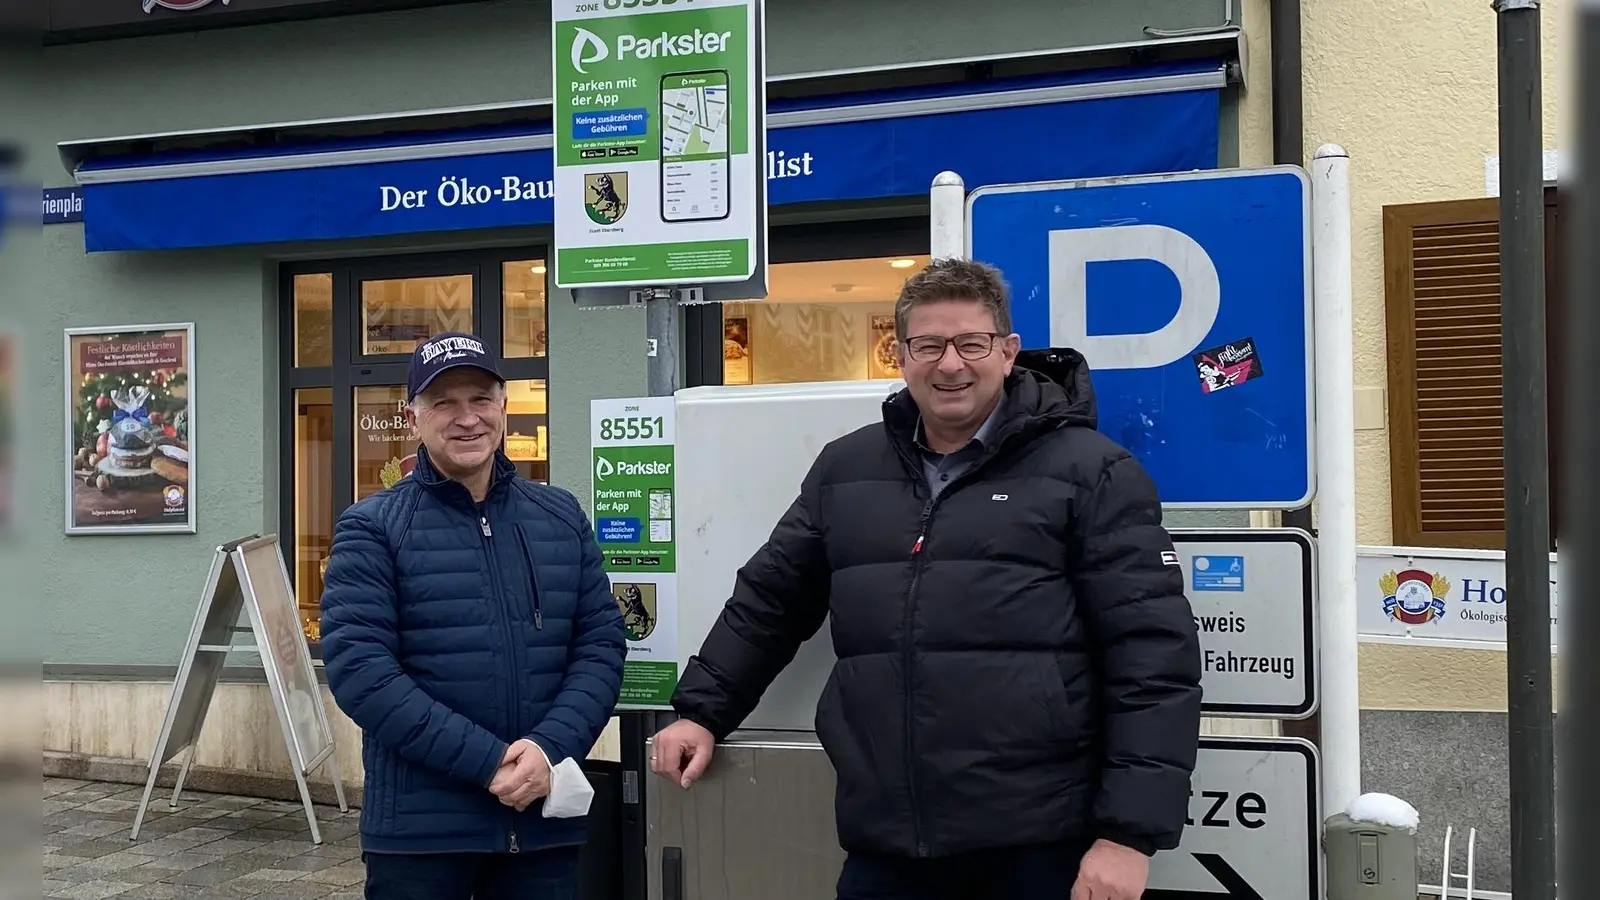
453, 191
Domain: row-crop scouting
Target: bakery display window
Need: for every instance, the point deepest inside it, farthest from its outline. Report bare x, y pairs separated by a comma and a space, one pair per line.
822, 320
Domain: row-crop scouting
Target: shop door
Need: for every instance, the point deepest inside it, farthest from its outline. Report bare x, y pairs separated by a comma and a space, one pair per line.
353, 325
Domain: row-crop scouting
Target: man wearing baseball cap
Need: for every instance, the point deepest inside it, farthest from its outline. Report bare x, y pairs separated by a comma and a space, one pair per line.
469, 630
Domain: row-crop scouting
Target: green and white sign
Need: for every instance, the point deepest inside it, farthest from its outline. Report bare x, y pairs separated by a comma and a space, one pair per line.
634, 521
656, 137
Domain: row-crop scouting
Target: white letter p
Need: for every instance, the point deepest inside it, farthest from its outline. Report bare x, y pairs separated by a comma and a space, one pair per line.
1199, 294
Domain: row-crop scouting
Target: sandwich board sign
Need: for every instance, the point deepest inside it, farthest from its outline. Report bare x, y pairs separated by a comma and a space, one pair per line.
1253, 591
248, 581
1254, 830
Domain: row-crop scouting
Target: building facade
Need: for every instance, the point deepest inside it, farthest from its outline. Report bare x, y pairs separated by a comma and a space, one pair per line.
313, 193
276, 173
1410, 91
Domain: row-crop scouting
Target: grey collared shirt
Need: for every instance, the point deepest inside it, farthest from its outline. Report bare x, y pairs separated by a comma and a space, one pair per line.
943, 468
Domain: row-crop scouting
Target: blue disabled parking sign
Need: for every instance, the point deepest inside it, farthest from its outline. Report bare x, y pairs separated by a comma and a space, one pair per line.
1190, 296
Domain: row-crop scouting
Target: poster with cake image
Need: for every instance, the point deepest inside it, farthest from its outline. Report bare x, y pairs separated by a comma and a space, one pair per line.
130, 453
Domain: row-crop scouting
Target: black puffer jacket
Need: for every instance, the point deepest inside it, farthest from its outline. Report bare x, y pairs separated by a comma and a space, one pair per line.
1017, 662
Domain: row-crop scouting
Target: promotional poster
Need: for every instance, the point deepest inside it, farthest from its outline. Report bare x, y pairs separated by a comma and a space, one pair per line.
130, 450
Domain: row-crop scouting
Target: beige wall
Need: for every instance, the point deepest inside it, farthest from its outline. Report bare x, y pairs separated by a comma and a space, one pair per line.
1410, 90
1255, 105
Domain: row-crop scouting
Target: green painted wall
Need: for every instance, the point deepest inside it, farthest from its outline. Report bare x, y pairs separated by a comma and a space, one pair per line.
130, 600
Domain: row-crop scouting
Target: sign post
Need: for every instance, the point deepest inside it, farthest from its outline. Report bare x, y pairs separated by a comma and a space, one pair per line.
1527, 453
659, 126
1578, 808
1210, 382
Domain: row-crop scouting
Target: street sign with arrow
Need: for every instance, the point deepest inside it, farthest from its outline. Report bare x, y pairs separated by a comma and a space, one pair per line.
1254, 828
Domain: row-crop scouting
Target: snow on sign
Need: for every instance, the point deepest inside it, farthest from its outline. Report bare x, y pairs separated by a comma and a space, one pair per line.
1254, 825
1253, 595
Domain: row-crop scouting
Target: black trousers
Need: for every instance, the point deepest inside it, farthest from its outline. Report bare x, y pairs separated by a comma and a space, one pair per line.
530, 875
1040, 872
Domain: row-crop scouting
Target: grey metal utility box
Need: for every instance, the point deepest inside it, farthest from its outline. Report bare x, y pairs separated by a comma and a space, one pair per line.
1368, 861
758, 826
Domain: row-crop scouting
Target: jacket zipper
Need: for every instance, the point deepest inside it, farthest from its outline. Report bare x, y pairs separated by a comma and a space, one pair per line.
533, 579
505, 635
910, 656
917, 559
914, 468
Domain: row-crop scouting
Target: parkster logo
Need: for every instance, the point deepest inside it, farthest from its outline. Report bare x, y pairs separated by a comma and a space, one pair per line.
588, 48
605, 468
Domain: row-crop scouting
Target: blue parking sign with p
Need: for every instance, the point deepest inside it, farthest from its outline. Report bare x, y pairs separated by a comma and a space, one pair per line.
1190, 297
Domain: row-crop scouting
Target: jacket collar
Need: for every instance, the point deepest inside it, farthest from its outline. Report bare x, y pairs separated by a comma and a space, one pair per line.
430, 477
1047, 389
983, 437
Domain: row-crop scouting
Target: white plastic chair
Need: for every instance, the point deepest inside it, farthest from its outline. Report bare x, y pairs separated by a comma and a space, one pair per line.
1448, 878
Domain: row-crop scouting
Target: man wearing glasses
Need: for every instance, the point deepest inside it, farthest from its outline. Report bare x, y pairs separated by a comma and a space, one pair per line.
1015, 709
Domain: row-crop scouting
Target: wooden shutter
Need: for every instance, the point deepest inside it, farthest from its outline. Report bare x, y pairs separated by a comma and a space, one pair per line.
1442, 278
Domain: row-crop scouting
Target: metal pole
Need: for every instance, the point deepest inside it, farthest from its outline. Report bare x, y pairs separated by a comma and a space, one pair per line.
1527, 442
661, 334
1579, 807
636, 727
947, 216
1333, 324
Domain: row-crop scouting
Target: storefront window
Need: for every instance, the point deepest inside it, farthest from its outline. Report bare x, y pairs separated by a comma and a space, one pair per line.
353, 325
822, 321
313, 319
384, 451
522, 290
313, 499
399, 313
528, 428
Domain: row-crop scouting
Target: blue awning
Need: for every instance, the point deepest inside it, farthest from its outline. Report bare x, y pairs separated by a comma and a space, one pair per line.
857, 147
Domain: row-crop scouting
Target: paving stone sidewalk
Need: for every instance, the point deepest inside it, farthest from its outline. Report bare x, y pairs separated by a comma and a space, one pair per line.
212, 847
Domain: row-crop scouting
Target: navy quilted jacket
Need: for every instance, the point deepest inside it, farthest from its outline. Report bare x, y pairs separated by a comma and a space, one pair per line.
449, 630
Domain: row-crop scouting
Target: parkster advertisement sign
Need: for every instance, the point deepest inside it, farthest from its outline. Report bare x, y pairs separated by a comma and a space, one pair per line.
655, 126
635, 502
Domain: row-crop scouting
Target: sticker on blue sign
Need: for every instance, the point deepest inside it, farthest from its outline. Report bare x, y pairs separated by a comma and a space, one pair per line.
1231, 364
1217, 573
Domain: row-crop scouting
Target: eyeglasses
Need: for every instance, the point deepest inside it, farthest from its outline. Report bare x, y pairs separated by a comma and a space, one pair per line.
970, 346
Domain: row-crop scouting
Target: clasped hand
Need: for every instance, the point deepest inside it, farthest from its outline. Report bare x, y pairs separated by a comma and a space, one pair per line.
523, 777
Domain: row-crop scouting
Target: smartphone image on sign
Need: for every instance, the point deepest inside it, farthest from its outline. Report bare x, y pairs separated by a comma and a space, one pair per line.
694, 146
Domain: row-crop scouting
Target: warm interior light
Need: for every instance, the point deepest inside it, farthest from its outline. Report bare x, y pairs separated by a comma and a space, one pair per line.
902, 263
538, 270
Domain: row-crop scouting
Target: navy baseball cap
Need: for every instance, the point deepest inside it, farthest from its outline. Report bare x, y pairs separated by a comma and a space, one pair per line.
446, 351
